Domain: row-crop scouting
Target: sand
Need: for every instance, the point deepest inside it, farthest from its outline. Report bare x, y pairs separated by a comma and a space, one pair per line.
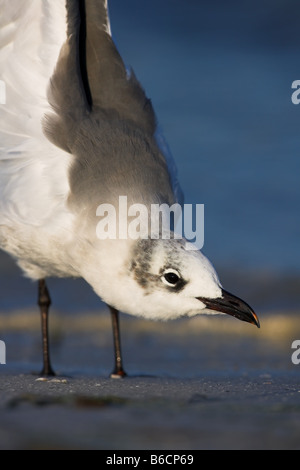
204, 383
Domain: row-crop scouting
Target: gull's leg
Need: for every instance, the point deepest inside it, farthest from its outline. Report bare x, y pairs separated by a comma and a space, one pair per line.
44, 303
118, 370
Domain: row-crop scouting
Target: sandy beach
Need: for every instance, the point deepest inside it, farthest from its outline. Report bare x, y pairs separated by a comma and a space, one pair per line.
204, 383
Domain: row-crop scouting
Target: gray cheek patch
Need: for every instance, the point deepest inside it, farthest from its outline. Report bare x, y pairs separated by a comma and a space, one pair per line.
141, 267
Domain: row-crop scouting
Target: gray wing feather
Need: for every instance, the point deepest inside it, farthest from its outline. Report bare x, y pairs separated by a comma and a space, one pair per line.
103, 117
90, 76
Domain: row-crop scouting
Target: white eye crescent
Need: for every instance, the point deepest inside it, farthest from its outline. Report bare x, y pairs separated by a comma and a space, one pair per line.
170, 277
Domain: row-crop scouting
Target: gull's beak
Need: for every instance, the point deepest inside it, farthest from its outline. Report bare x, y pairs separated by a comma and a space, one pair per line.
233, 306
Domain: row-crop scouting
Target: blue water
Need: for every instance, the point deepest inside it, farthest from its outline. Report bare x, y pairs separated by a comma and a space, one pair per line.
219, 75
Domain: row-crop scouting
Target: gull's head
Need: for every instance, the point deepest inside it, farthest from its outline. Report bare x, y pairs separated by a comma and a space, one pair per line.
167, 279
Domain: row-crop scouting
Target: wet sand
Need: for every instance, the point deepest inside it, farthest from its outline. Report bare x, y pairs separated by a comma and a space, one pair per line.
203, 383
220, 412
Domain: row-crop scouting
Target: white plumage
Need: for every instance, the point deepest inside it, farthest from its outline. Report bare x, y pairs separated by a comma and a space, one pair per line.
96, 141
33, 173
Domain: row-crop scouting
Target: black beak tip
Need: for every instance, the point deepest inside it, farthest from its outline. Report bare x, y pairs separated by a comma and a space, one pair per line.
232, 305
257, 323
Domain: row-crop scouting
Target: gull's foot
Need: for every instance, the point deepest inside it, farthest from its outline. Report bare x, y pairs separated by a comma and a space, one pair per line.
118, 374
47, 372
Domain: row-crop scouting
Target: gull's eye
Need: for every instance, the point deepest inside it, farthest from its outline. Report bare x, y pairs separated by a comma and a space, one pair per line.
170, 277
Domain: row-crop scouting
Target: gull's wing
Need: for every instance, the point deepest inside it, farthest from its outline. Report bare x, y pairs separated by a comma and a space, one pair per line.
173, 172
33, 173
103, 116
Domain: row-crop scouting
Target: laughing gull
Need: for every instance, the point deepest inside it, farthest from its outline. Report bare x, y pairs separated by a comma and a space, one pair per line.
78, 131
